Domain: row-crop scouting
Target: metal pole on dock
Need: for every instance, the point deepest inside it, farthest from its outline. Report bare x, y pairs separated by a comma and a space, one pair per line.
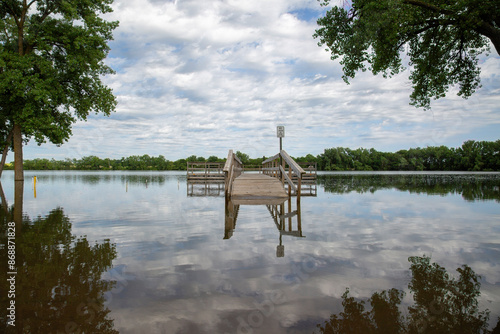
280, 133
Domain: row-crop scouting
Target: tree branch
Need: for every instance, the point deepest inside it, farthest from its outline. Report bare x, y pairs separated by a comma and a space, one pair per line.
428, 6
482, 27
12, 12
430, 25
488, 30
48, 10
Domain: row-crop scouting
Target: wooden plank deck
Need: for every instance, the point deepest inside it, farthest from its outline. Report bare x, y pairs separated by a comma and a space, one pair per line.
257, 189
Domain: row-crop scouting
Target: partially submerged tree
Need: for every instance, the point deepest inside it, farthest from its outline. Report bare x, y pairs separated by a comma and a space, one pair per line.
51, 63
443, 40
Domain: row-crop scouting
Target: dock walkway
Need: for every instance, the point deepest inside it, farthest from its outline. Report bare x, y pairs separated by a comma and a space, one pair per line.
254, 189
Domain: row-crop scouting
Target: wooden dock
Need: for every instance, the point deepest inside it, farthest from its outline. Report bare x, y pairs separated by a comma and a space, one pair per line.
257, 189
277, 179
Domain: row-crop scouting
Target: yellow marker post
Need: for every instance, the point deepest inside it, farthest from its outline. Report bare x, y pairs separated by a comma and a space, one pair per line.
34, 186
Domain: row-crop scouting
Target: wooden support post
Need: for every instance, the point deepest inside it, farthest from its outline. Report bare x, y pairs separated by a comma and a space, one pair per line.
289, 213
299, 216
281, 216
282, 165
299, 186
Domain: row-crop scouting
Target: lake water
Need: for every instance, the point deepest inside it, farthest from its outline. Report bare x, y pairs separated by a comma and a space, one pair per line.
144, 252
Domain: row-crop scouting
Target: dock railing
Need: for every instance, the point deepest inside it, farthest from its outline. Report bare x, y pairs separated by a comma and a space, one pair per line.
283, 167
310, 169
205, 171
232, 169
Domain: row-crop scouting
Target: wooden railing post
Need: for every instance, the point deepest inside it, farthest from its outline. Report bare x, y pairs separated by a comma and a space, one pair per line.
282, 171
227, 172
232, 169
274, 168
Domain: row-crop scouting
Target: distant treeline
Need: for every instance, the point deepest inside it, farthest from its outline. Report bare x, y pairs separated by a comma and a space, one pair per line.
471, 156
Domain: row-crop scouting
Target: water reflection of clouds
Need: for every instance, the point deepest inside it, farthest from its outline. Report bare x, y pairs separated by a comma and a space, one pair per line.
179, 274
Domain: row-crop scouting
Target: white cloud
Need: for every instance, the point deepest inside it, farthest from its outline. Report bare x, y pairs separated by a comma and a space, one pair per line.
203, 77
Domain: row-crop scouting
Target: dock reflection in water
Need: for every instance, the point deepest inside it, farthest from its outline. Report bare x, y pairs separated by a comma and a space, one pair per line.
201, 189
287, 221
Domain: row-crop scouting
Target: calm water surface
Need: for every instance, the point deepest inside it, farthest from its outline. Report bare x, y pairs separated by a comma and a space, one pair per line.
141, 252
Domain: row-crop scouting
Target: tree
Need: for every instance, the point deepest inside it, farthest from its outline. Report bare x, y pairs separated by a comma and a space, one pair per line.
244, 158
212, 158
443, 39
51, 63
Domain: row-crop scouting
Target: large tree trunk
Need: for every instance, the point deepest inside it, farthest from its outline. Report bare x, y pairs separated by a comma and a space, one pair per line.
18, 206
5, 205
18, 153
5, 151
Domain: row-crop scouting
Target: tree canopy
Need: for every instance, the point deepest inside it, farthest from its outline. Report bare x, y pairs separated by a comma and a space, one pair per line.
442, 39
51, 64
471, 156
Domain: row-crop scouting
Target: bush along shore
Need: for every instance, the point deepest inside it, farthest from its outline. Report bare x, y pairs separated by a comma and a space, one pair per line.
471, 156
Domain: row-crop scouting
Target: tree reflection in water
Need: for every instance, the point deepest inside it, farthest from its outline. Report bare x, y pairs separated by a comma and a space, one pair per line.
472, 187
443, 304
58, 283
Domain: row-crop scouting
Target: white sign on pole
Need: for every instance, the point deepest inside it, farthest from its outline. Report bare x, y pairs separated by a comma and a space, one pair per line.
281, 131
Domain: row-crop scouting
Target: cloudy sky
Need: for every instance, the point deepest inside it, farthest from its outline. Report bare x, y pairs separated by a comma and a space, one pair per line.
202, 77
